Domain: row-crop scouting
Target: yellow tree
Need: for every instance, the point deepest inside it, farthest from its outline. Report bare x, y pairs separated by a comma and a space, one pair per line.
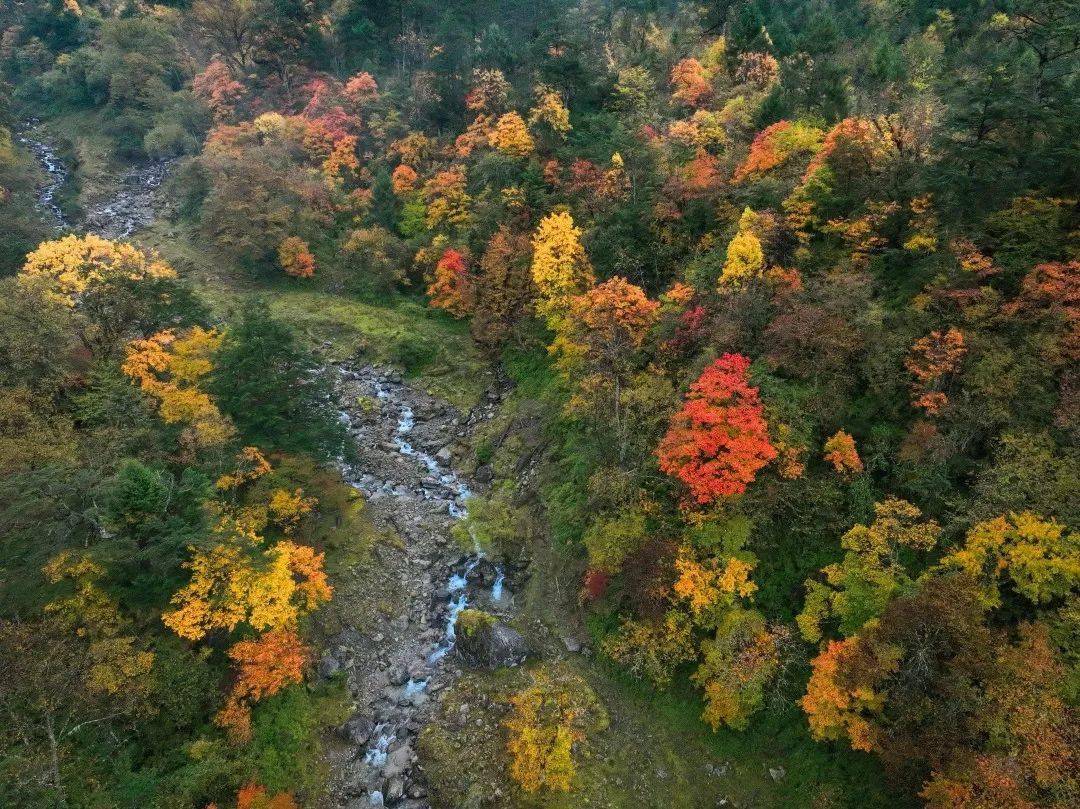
745, 259
234, 583
171, 369
560, 266
870, 575
113, 288
511, 137
1039, 558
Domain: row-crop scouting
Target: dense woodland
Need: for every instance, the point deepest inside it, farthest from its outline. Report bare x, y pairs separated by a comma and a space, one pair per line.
788, 297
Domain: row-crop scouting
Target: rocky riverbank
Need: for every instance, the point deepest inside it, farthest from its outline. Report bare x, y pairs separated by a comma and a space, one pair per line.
132, 204
407, 443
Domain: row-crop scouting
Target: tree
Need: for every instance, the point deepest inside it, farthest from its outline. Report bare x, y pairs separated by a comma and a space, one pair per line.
451, 287
595, 343
908, 685
652, 650
745, 260
840, 451
718, 441
776, 145
737, 665
295, 258
932, 361
174, 371
560, 267
218, 90
263, 380
503, 289
548, 719
112, 288
871, 574
690, 83
264, 666
236, 582
1039, 558
511, 137
232, 26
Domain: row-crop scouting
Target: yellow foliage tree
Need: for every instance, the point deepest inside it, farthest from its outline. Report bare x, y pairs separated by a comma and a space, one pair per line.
560, 267
546, 719
510, 136
745, 258
171, 369
112, 287
1041, 558
116, 665
233, 583
550, 109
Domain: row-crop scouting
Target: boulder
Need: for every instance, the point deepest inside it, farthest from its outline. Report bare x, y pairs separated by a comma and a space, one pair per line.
329, 666
357, 730
486, 642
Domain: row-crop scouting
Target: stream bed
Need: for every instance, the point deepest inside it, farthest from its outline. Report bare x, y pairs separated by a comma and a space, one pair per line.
405, 473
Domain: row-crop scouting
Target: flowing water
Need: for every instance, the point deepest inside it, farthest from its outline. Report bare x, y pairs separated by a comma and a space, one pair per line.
442, 486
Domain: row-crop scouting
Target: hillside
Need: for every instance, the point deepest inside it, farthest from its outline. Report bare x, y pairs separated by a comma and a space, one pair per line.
560, 404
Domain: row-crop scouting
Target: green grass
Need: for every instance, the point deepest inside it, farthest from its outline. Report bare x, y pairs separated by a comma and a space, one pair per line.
431, 348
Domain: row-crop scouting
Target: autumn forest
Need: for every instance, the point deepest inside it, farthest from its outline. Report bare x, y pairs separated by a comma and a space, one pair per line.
610, 403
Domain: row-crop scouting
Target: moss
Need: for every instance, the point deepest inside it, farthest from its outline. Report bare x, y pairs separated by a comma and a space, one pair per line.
469, 622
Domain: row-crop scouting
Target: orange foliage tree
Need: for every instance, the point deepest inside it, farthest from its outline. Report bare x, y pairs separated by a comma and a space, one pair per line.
264, 666
718, 441
218, 90
932, 361
775, 145
451, 287
295, 257
840, 451
690, 83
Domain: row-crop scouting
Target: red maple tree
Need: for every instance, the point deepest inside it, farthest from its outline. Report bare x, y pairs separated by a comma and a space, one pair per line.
719, 440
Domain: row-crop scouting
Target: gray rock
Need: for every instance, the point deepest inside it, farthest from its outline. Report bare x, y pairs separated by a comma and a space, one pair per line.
484, 473
397, 762
492, 646
444, 455
572, 644
395, 790
777, 774
357, 730
329, 666
398, 675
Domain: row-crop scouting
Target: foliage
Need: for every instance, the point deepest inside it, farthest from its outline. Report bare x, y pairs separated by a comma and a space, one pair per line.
718, 441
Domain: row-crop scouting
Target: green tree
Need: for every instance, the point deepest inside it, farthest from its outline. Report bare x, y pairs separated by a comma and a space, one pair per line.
272, 387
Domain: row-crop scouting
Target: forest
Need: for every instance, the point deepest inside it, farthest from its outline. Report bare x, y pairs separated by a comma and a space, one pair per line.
609, 403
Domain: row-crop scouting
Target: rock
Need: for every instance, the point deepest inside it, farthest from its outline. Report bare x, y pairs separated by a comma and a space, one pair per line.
416, 791
397, 762
444, 455
777, 774
357, 730
492, 645
484, 473
572, 644
397, 675
329, 666
395, 790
